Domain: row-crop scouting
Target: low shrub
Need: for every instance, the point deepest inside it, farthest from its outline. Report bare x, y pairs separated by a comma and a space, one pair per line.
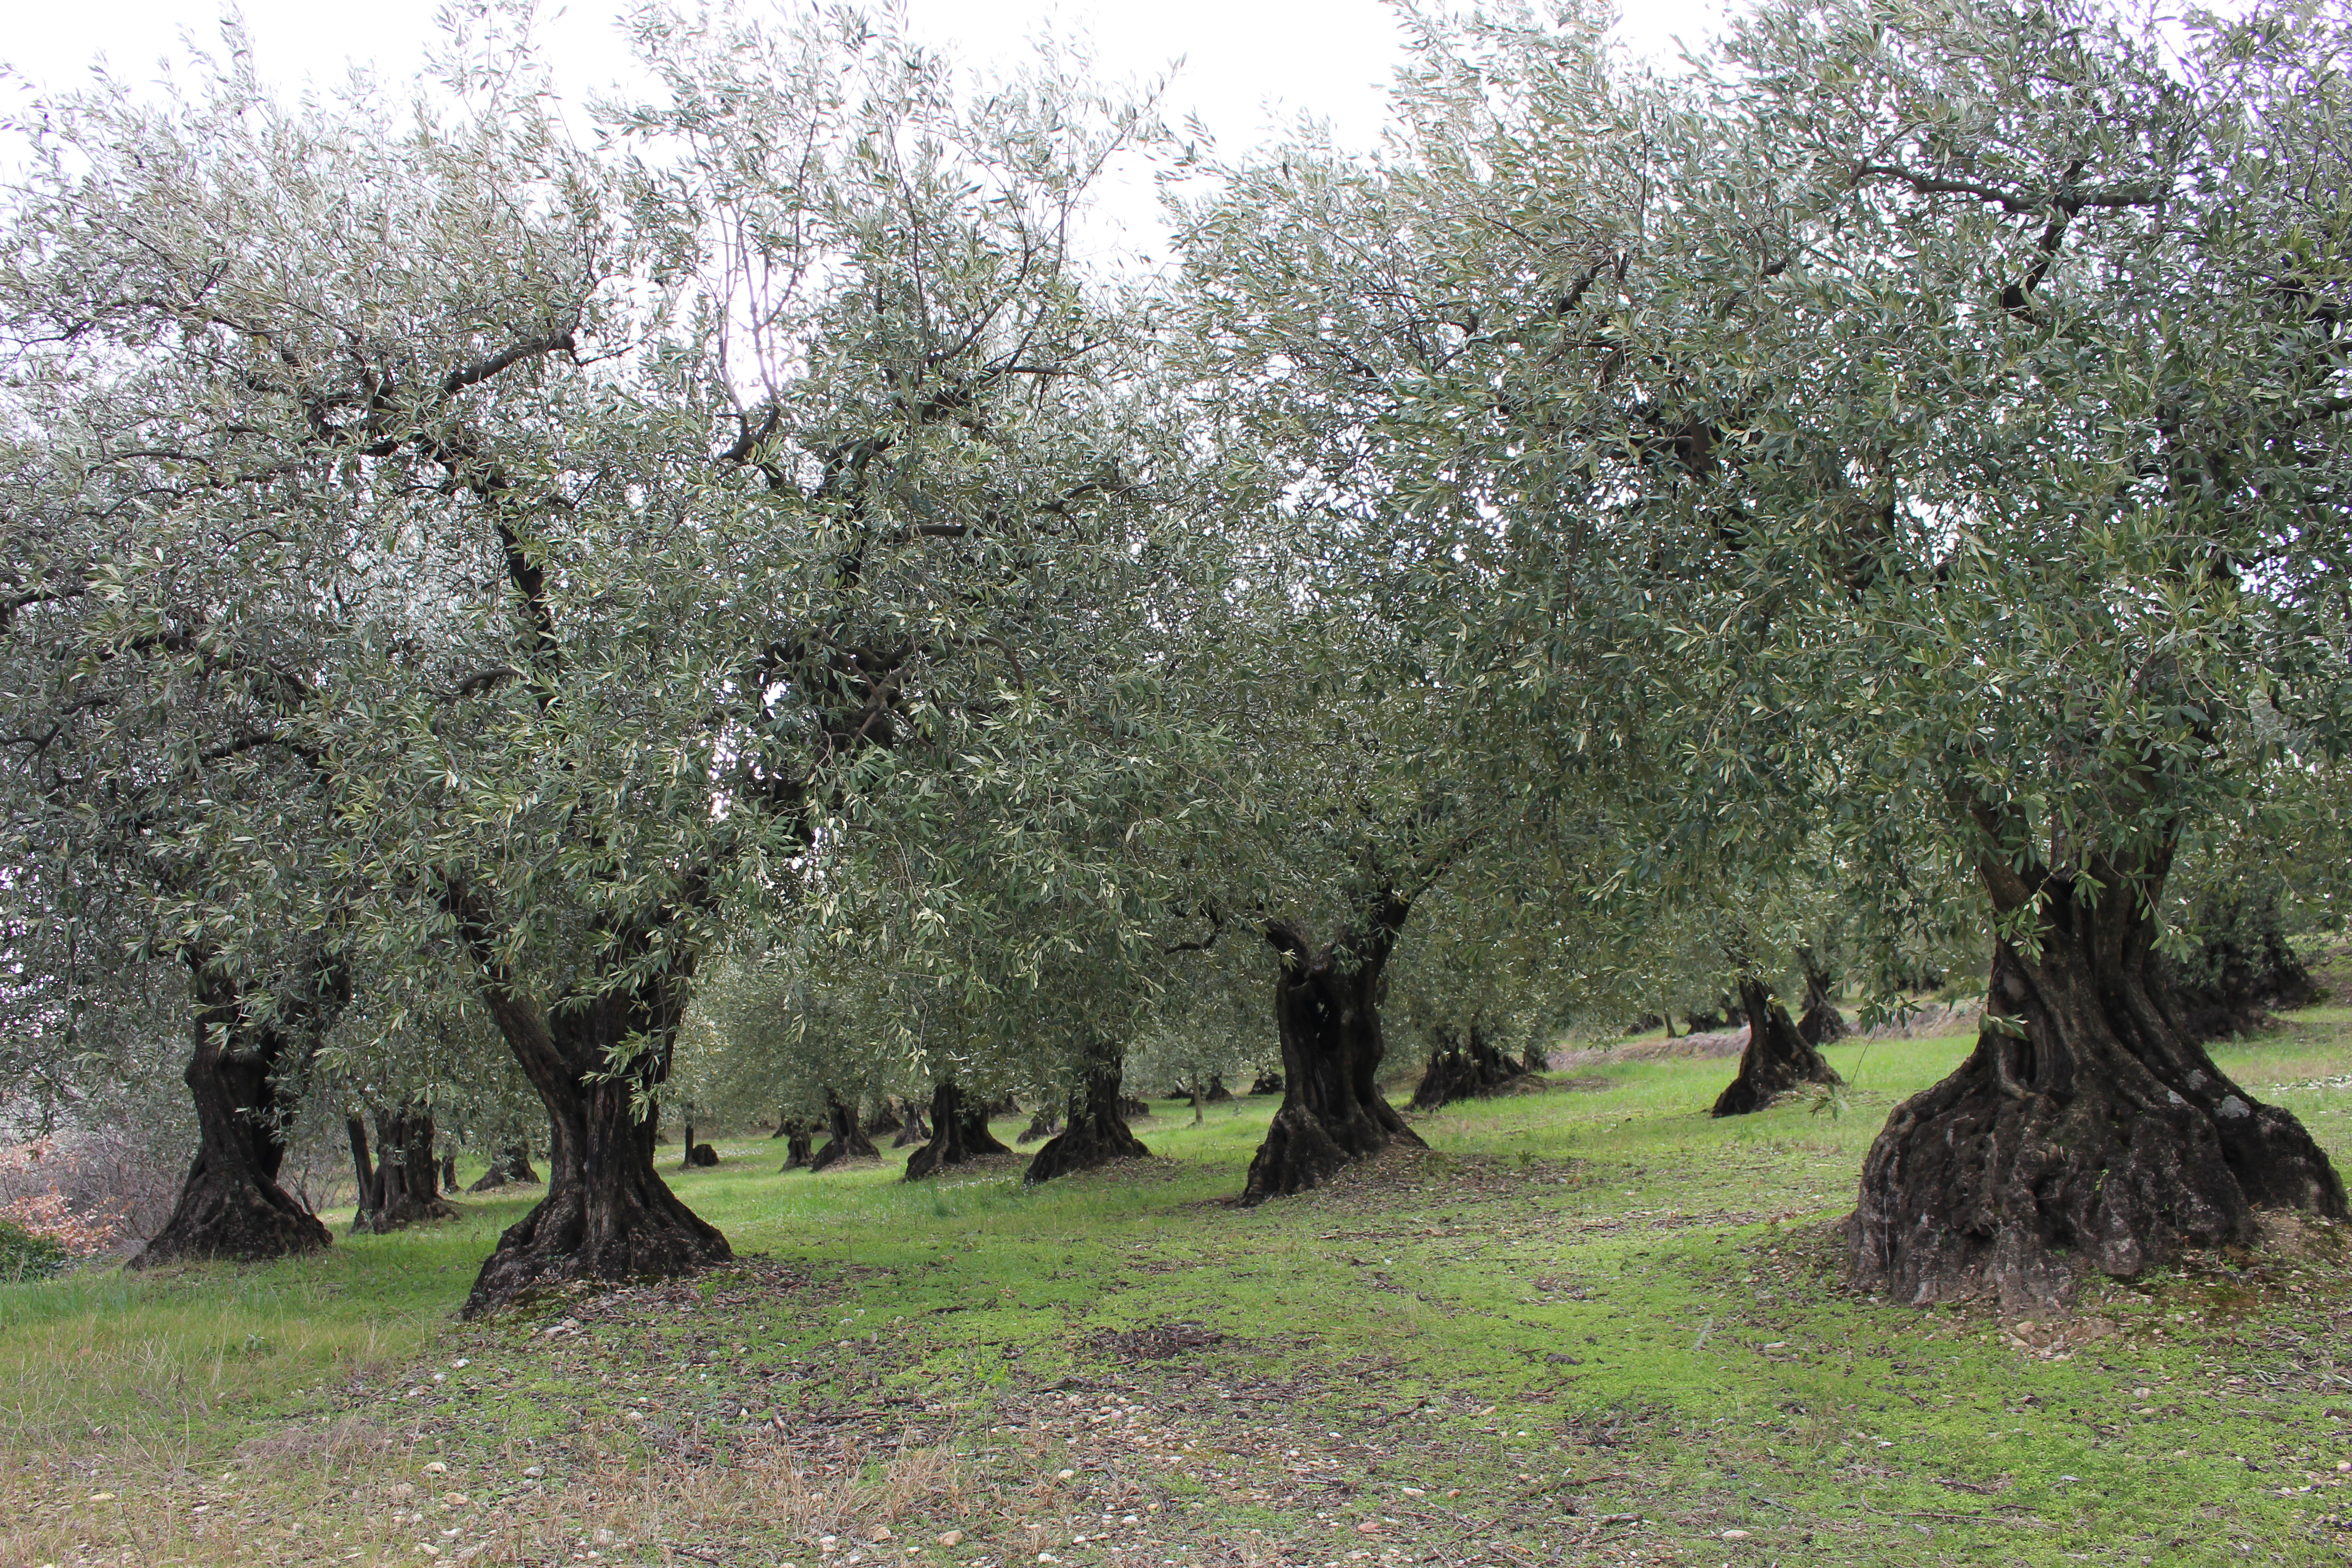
23, 1255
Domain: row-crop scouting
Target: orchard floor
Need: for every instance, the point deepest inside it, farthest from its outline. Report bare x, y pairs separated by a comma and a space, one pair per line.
1591, 1326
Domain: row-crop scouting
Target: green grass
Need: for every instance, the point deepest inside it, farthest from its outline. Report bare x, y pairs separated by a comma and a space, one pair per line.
1592, 1324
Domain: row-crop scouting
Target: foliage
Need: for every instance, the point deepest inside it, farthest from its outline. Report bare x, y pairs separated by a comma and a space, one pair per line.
26, 1256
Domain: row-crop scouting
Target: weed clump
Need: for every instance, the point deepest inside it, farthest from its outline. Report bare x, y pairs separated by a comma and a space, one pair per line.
24, 1256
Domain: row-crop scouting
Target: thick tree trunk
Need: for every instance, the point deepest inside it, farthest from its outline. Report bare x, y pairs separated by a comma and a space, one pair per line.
404, 1188
799, 1139
607, 1214
959, 1133
784, 1125
1327, 1011
844, 1139
509, 1166
916, 1130
230, 1204
1097, 1132
1460, 1072
1778, 1058
1820, 1023
1267, 1083
1218, 1093
888, 1120
1045, 1124
2086, 1131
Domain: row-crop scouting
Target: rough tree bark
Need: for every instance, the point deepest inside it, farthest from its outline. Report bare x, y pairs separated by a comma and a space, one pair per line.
404, 1187
1820, 1022
916, 1130
2087, 1130
888, 1119
1097, 1133
1778, 1058
1460, 1071
230, 1204
1327, 1011
844, 1139
607, 1214
1045, 1124
959, 1132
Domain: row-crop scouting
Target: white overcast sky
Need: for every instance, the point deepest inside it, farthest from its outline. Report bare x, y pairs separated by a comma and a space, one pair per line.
1246, 61
1247, 65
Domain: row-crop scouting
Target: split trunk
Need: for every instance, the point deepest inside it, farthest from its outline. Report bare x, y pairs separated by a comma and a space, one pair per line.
844, 1139
1820, 1022
508, 1167
404, 1187
1097, 1133
1778, 1058
1327, 1012
959, 1133
1460, 1070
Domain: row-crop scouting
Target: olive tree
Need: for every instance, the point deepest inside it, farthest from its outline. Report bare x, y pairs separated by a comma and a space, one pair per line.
232, 328
1974, 385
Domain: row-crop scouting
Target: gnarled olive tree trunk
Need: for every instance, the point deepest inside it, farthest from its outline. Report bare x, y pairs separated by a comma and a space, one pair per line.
2087, 1130
959, 1133
1461, 1068
607, 1214
230, 1204
1778, 1058
1327, 1010
403, 1187
1820, 1022
1097, 1133
509, 1166
844, 1139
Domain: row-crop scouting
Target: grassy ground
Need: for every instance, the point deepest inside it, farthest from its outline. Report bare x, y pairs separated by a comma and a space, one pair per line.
1590, 1325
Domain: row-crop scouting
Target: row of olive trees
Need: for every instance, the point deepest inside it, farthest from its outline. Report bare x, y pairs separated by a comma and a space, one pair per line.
445, 562
1890, 483
1923, 433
